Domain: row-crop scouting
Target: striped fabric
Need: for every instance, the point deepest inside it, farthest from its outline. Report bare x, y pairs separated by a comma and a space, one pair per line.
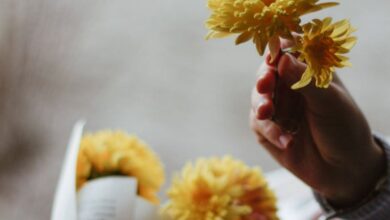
378, 208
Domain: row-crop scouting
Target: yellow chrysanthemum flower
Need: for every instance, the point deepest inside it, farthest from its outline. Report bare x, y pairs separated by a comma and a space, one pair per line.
220, 189
322, 47
109, 153
264, 21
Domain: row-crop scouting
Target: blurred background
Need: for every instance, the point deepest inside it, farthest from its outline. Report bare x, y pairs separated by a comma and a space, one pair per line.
145, 67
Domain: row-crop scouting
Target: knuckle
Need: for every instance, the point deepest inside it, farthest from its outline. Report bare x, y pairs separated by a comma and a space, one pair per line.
262, 140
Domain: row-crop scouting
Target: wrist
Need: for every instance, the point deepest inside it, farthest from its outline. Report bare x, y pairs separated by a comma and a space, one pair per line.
374, 206
360, 183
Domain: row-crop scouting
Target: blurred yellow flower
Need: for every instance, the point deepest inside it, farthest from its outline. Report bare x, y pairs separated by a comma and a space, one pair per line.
322, 47
108, 153
264, 21
220, 189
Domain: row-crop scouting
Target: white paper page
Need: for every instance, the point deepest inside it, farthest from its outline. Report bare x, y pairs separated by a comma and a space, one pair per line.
64, 206
113, 198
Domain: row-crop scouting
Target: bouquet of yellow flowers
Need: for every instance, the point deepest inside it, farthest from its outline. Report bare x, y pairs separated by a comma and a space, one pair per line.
321, 44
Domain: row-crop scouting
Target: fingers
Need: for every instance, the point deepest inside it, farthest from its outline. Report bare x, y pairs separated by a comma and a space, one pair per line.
271, 148
269, 132
266, 82
290, 69
262, 96
263, 109
262, 105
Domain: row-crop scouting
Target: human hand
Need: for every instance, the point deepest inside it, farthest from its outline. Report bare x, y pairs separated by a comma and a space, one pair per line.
333, 150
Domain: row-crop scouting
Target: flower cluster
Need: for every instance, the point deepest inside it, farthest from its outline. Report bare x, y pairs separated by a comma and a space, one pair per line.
220, 188
322, 47
108, 153
267, 21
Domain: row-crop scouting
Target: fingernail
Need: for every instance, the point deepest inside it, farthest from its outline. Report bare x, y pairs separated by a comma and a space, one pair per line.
271, 62
285, 140
268, 59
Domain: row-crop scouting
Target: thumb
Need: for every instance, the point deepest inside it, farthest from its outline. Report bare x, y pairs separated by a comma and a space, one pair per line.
290, 70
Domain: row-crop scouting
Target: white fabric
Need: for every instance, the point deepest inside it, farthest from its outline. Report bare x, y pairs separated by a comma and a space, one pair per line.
295, 199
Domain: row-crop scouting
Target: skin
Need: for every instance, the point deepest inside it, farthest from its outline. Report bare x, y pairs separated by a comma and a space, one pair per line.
333, 150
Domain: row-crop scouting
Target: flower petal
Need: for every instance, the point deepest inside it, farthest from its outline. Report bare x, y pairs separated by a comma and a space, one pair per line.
216, 34
274, 47
305, 79
260, 44
350, 42
244, 37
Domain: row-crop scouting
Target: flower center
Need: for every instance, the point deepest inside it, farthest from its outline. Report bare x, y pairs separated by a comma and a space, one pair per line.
322, 49
201, 196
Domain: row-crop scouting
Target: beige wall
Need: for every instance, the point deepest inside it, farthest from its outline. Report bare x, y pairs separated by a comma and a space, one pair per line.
143, 66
